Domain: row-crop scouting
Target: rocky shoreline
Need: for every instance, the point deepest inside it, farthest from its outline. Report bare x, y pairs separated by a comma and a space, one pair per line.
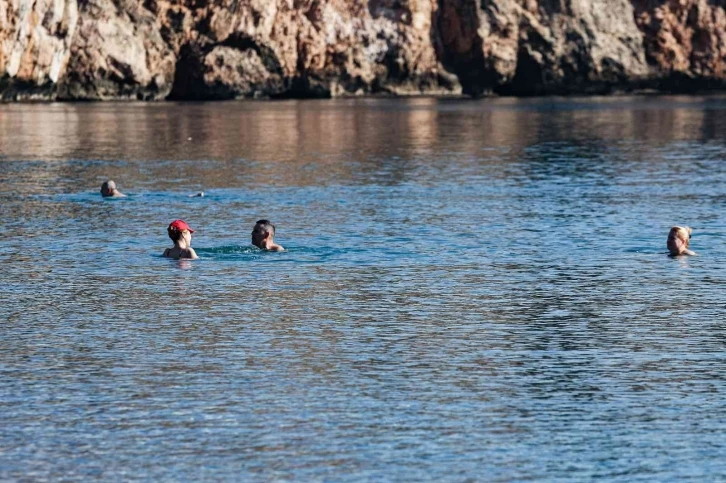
228, 49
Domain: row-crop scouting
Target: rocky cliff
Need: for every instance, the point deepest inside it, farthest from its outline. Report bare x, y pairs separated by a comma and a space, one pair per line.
224, 49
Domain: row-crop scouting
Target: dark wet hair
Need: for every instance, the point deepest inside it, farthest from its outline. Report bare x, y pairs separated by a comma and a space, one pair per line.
264, 225
108, 187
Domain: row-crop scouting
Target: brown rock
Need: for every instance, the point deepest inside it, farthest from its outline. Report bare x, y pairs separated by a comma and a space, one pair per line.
685, 40
533, 47
117, 53
225, 49
35, 44
227, 73
312, 48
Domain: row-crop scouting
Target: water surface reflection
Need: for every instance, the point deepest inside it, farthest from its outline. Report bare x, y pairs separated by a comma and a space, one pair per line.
472, 290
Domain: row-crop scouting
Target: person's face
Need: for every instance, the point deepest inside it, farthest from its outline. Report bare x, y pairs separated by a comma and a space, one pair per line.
258, 237
678, 242
187, 237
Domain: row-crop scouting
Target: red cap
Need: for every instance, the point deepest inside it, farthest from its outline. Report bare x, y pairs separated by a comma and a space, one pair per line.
180, 225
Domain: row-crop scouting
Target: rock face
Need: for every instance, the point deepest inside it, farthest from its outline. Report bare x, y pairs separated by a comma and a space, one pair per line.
229, 49
542, 47
226, 49
685, 41
35, 45
117, 53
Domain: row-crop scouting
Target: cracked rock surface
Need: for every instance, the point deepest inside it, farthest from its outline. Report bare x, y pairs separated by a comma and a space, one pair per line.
228, 49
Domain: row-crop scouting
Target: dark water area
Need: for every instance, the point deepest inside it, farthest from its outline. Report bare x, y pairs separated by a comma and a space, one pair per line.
472, 291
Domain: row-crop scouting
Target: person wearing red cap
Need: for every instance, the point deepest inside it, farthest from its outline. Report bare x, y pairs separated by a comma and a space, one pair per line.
181, 234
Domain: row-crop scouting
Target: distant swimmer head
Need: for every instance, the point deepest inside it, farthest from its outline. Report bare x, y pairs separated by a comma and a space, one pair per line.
263, 235
678, 240
108, 190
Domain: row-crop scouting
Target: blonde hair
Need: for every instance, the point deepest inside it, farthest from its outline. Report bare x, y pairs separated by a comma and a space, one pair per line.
678, 233
682, 232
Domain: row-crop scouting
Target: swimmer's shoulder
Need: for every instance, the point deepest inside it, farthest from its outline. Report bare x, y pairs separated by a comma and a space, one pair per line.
190, 253
166, 252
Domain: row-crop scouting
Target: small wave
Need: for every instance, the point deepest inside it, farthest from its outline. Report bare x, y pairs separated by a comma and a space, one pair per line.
229, 250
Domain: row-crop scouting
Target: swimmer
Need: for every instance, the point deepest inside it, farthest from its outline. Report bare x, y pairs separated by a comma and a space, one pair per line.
263, 235
108, 190
197, 195
678, 240
181, 234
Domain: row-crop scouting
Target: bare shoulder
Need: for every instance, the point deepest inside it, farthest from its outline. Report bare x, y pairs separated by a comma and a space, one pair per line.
277, 248
190, 253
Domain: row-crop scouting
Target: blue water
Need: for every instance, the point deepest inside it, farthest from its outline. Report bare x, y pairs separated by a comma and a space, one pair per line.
471, 291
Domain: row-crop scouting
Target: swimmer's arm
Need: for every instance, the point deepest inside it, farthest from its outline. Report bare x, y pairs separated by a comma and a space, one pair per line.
689, 252
192, 254
277, 248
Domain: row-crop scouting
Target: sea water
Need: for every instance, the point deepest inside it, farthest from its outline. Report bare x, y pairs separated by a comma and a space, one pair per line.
471, 291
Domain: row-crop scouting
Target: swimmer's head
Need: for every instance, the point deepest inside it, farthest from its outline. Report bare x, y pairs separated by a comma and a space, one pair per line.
262, 231
678, 239
108, 188
179, 229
